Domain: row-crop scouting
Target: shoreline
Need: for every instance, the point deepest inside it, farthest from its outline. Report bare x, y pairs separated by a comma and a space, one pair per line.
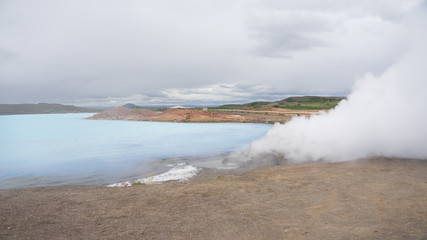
270, 116
107, 152
377, 198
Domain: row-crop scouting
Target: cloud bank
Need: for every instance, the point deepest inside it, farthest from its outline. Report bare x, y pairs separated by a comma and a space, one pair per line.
106, 52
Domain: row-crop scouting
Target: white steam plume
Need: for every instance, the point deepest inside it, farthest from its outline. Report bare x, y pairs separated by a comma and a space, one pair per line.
384, 115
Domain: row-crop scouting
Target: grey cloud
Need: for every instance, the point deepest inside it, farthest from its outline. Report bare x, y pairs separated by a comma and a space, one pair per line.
109, 49
6, 56
224, 94
387, 9
229, 51
282, 34
282, 28
276, 44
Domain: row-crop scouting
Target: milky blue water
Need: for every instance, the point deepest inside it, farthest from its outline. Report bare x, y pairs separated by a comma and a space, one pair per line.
62, 149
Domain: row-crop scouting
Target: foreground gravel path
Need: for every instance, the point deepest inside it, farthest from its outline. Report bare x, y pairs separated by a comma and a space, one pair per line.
370, 199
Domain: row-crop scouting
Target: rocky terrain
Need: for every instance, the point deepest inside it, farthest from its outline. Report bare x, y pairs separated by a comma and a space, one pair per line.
123, 113
268, 115
169, 115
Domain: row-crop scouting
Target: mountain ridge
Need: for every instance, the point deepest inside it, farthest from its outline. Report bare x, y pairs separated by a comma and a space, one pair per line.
42, 108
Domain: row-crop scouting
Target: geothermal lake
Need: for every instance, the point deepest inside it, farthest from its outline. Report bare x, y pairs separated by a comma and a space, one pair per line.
64, 149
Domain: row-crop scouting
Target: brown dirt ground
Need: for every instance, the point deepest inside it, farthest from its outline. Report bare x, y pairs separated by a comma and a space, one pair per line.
368, 199
169, 115
271, 115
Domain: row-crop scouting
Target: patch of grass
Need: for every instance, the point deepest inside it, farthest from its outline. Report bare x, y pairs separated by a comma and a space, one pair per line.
309, 102
306, 102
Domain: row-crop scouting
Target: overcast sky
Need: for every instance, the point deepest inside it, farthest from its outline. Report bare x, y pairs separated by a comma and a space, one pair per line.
203, 52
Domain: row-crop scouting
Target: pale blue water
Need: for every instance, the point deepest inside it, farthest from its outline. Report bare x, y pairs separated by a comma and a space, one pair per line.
62, 149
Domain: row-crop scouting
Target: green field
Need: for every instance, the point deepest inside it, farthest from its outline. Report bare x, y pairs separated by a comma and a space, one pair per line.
303, 103
309, 102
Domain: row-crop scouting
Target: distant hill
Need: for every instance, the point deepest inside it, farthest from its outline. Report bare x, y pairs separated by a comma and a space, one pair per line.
12, 109
131, 106
306, 102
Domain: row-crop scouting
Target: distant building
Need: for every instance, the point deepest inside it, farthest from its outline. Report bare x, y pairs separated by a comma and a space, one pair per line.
205, 109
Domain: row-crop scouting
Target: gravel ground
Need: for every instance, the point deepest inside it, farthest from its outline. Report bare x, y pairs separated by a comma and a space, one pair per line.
368, 199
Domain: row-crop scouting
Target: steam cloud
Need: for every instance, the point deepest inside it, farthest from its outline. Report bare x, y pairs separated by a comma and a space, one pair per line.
384, 115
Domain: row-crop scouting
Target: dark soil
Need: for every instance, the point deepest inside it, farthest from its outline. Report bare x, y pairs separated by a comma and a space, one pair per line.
369, 199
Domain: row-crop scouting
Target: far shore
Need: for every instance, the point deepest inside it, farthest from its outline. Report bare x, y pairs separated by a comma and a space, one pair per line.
377, 198
269, 116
